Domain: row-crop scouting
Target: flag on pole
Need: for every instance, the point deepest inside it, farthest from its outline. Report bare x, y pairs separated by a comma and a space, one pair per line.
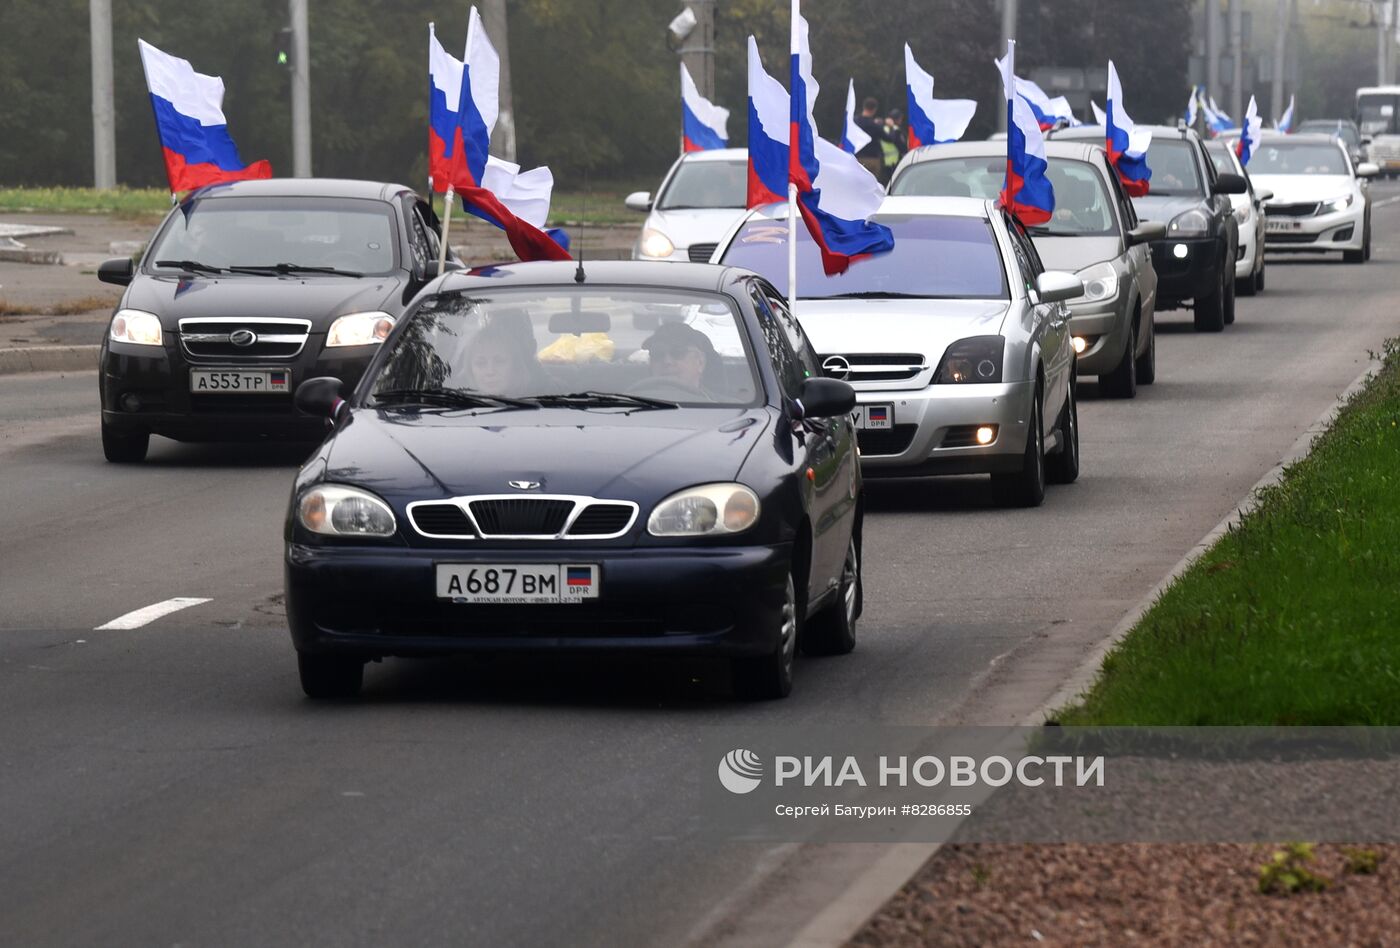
1249, 133
1126, 143
1216, 120
1100, 117
704, 125
932, 121
1285, 124
835, 193
768, 135
194, 137
1026, 193
853, 137
1191, 107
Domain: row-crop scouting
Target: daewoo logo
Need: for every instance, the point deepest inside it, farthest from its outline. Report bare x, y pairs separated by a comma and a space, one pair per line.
525, 485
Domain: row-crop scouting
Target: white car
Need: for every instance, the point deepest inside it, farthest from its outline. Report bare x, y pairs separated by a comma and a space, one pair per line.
956, 341
1320, 202
700, 198
1249, 212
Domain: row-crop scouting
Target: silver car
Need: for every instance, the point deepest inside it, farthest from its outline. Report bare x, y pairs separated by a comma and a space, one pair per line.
700, 198
1094, 232
956, 341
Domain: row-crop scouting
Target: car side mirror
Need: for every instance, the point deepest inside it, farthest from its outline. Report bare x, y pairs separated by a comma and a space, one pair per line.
1367, 170
1056, 286
826, 398
120, 271
1146, 232
431, 271
320, 396
1229, 183
638, 201
1264, 194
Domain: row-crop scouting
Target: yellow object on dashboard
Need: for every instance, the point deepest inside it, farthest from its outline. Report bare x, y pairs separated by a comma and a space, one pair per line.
588, 347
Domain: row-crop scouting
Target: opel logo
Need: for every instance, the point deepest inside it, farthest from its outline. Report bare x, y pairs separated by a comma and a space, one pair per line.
243, 337
525, 485
836, 367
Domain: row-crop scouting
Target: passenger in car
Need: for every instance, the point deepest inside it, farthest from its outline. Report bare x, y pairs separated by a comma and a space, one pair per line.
503, 363
682, 355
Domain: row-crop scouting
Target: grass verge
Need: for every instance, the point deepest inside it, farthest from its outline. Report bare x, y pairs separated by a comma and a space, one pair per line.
1293, 617
119, 202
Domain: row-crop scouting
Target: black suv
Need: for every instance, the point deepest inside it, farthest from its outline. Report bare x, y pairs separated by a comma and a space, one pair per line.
247, 289
1196, 260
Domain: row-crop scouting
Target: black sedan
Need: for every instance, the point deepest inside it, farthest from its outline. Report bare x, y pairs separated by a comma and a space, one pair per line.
248, 289
632, 458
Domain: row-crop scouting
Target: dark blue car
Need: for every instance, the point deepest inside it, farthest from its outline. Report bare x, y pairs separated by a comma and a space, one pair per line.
631, 458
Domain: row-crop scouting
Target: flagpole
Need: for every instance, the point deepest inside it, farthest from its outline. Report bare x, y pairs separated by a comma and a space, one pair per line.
792, 248
446, 226
794, 148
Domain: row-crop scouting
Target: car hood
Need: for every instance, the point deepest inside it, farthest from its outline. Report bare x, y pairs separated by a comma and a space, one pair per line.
1304, 188
595, 453
1163, 207
1076, 253
319, 299
698, 226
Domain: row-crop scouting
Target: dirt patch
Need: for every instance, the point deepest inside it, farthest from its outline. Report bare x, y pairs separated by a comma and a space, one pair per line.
69, 307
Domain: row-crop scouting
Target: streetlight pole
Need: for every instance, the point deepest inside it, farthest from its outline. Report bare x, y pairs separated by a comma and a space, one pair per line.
1010, 9
104, 125
301, 91
697, 50
1212, 46
1237, 59
493, 17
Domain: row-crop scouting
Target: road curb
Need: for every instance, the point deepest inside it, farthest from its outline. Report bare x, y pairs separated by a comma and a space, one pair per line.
845, 915
48, 359
25, 255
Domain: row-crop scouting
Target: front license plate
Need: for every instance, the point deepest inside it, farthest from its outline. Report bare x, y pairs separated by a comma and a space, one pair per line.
874, 416
220, 381
515, 584
1280, 225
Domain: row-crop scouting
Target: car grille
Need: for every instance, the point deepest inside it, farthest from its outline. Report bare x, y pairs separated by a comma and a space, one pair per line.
874, 366
1291, 238
1291, 210
896, 440
269, 338
522, 518
700, 253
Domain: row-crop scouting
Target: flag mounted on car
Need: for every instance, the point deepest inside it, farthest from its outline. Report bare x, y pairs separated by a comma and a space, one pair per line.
1285, 124
1026, 193
1126, 143
194, 136
853, 137
704, 125
768, 135
1250, 133
932, 121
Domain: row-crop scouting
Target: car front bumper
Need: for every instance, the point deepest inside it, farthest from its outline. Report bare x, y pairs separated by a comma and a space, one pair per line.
1340, 230
930, 429
378, 602
1186, 269
1246, 258
1106, 328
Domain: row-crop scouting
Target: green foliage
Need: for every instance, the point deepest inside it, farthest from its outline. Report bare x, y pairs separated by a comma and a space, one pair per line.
1287, 871
127, 202
1361, 862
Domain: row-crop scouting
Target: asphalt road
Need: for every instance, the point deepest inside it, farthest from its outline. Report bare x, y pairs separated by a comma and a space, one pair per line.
168, 783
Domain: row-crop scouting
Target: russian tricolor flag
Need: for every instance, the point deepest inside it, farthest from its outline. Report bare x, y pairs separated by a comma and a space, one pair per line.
836, 195
932, 121
768, 135
190, 121
1249, 133
1126, 144
1285, 124
704, 125
462, 112
853, 137
1216, 120
1027, 193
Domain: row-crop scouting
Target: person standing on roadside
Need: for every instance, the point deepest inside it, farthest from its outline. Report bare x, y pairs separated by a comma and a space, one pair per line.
872, 156
895, 144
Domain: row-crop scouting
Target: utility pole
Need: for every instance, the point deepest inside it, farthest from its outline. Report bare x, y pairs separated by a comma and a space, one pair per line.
1009, 13
503, 137
1390, 38
1212, 46
1280, 54
697, 50
301, 91
104, 125
1237, 60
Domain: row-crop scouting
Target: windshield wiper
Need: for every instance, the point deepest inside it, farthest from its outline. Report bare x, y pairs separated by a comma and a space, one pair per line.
450, 397
602, 398
193, 266
876, 295
285, 268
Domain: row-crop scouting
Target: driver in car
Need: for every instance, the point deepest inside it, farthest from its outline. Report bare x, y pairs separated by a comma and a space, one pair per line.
679, 355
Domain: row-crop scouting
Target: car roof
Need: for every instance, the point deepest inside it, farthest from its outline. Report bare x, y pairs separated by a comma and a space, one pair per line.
717, 154
903, 204
1077, 132
997, 149
640, 273
304, 187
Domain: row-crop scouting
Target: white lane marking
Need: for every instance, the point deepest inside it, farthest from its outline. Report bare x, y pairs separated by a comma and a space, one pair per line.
148, 614
1385, 203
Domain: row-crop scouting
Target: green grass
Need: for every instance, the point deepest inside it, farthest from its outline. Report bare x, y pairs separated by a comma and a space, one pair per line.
1293, 617
122, 202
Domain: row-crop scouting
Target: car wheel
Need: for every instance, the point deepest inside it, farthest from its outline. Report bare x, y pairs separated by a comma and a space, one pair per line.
1230, 299
1147, 362
124, 447
833, 630
1122, 381
1062, 467
328, 677
1026, 487
1259, 277
1367, 247
1209, 311
1251, 284
770, 676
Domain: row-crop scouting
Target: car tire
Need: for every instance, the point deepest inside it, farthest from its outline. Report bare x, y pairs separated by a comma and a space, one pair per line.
1230, 299
1367, 247
833, 630
1209, 311
1122, 381
1062, 467
1147, 362
767, 677
1251, 284
122, 447
1364, 254
1026, 487
1259, 277
330, 677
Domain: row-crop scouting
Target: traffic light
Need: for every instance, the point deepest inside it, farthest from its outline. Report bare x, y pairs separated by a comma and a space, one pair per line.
284, 47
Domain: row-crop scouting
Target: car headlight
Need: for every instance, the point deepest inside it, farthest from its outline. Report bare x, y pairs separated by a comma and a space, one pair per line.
656, 244
1194, 221
339, 511
705, 511
1338, 204
360, 329
136, 327
1100, 282
974, 359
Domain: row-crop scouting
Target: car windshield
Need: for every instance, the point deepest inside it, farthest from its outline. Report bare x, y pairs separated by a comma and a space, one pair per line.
934, 257
610, 346
1376, 114
1336, 129
1082, 203
1173, 167
1298, 158
706, 184
338, 233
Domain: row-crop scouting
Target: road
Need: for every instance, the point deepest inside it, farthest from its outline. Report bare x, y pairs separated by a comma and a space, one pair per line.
168, 783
